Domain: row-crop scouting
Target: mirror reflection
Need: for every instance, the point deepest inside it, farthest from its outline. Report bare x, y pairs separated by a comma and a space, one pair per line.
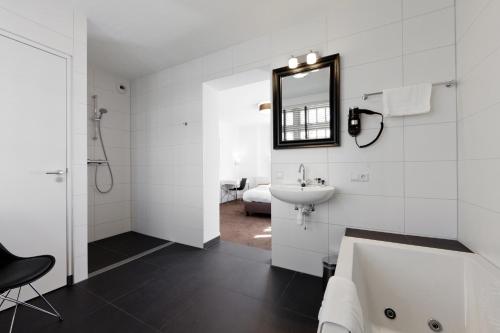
305, 113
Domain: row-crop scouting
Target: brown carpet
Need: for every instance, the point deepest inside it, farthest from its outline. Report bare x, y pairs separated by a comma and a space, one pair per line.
236, 227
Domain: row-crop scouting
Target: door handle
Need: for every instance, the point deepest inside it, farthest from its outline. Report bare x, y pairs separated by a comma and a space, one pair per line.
57, 172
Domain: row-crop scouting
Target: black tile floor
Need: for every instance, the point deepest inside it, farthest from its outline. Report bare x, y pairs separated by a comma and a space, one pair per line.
226, 288
109, 251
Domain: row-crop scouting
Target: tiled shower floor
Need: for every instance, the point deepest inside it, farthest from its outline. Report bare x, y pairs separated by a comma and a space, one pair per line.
109, 251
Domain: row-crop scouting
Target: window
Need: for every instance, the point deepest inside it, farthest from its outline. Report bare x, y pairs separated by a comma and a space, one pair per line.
317, 126
311, 116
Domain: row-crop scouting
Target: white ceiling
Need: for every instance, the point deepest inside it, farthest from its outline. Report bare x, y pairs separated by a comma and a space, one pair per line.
133, 38
240, 105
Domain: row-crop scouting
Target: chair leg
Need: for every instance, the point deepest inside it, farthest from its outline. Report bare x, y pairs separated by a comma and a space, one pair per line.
18, 302
48, 303
15, 311
3, 300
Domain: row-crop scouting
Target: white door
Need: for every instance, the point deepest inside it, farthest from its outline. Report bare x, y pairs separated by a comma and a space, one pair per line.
32, 145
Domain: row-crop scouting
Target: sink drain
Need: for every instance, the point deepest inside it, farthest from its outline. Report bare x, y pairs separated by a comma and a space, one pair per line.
390, 313
435, 325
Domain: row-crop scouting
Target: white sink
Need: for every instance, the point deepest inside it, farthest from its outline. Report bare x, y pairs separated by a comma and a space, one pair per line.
297, 195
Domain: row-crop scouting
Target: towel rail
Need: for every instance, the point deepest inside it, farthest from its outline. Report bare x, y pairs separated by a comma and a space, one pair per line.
448, 84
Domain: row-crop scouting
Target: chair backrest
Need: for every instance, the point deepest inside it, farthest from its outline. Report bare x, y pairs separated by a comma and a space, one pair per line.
5, 256
243, 184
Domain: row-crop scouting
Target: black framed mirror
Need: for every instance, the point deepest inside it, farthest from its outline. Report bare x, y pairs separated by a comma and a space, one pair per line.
306, 102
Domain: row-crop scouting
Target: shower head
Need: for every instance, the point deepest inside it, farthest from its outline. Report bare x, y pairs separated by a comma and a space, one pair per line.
98, 117
101, 112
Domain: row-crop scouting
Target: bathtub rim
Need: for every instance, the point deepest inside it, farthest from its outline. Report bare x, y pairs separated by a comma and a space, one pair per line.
347, 245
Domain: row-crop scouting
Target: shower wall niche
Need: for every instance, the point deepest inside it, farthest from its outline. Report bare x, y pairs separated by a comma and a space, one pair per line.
109, 214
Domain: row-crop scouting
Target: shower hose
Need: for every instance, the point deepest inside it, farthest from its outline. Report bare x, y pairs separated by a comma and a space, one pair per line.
100, 190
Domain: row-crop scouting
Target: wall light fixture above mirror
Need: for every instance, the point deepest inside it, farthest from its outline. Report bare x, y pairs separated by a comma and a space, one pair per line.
311, 58
306, 104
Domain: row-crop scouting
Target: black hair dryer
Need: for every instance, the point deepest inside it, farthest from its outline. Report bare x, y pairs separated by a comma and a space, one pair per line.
354, 125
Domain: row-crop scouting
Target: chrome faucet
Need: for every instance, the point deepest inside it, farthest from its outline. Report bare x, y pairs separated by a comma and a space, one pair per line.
303, 180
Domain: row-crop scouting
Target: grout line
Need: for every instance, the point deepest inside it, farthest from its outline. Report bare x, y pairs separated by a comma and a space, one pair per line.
474, 20
402, 55
134, 317
403, 63
231, 254
442, 9
286, 288
401, 20
307, 250
110, 303
128, 260
475, 67
457, 127
303, 315
381, 162
481, 111
443, 46
479, 206
480, 159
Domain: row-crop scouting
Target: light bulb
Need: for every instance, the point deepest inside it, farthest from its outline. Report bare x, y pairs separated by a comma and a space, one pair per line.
312, 57
293, 62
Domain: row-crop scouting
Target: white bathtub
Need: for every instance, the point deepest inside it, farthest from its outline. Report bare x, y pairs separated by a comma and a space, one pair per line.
460, 290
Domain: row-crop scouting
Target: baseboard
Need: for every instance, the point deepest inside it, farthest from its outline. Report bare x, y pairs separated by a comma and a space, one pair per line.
211, 242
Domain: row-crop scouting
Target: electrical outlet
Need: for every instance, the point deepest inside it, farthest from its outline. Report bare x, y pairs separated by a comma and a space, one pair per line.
360, 177
280, 175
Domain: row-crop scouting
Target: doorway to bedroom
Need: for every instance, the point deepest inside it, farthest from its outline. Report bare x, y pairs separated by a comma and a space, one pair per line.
237, 159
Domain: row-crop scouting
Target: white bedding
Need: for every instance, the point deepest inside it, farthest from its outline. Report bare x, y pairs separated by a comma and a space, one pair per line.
260, 193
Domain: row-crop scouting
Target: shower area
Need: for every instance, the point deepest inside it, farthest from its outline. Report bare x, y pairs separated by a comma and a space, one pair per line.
111, 238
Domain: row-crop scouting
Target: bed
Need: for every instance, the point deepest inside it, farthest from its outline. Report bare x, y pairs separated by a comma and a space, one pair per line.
258, 200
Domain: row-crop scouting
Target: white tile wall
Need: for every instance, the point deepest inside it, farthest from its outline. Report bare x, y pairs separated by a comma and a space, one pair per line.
383, 44
431, 216
478, 53
429, 31
414, 8
109, 213
369, 46
434, 65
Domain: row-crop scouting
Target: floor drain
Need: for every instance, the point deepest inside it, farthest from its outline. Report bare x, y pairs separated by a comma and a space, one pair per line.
390, 313
435, 325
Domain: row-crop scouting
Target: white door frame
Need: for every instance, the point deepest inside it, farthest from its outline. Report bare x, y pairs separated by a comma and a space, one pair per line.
69, 98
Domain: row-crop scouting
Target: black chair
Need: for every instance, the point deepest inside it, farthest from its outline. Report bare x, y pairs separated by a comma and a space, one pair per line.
17, 272
243, 184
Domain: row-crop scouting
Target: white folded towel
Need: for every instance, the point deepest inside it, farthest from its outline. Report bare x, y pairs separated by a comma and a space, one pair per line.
341, 306
407, 101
